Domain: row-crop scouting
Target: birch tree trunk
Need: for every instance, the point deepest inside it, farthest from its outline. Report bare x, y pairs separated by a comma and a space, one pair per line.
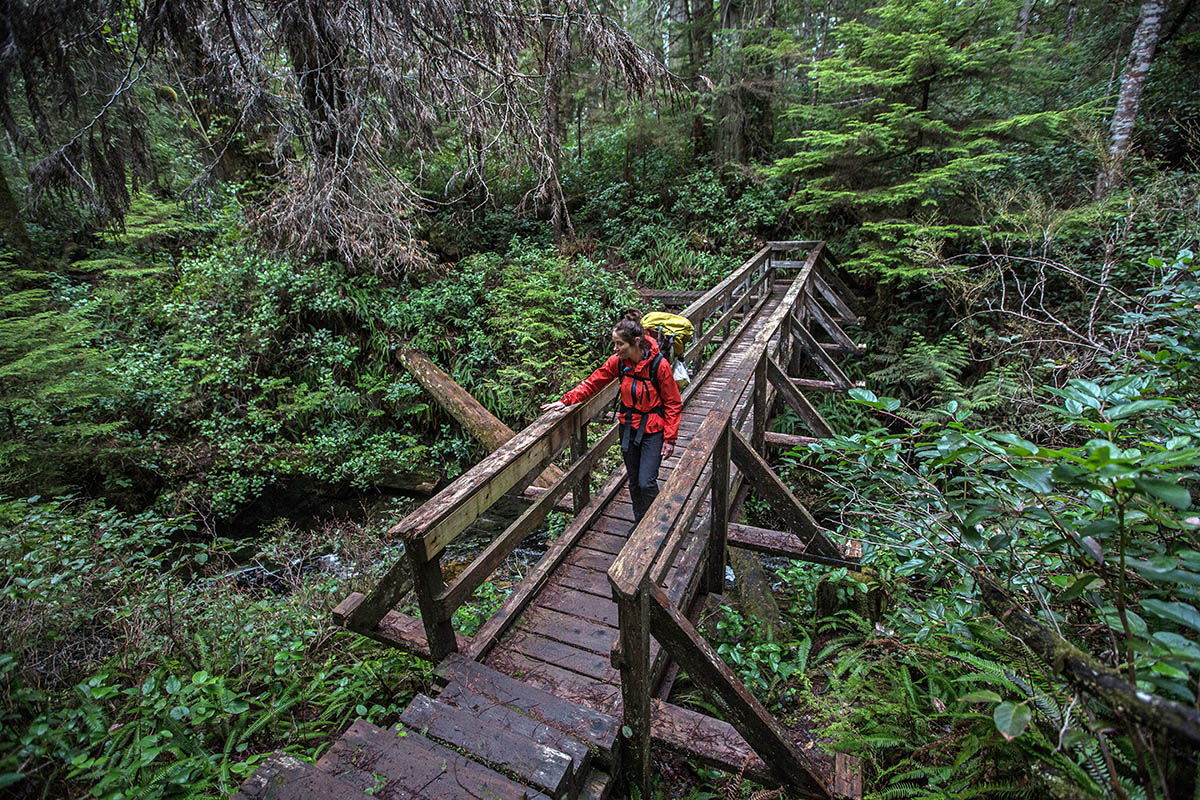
1133, 82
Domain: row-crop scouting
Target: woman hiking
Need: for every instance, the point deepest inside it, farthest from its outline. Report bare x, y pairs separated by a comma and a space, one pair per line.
650, 405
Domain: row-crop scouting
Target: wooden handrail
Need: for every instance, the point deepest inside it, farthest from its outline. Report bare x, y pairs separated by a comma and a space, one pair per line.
701, 309
438, 522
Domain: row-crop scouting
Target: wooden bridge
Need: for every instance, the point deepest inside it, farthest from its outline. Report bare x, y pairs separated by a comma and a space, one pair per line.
562, 691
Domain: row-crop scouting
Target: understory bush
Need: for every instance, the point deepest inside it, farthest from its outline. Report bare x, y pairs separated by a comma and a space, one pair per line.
134, 663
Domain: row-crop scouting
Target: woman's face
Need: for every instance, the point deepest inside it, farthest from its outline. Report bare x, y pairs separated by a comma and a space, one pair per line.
626, 350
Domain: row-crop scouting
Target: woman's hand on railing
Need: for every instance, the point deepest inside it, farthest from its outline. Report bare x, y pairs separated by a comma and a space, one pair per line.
553, 406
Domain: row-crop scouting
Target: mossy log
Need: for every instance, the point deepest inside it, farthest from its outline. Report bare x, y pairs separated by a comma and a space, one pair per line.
1086, 673
466, 410
754, 594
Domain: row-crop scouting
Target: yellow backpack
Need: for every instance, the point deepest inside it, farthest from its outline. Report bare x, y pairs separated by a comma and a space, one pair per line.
672, 331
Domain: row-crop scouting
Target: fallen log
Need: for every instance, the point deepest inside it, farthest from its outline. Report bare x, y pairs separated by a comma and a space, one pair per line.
466, 410
1086, 673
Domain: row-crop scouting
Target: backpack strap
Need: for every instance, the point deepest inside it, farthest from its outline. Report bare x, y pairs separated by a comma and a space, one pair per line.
627, 427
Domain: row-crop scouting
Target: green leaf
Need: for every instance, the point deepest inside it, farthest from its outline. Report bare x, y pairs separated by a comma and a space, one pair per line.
1079, 587
980, 696
1035, 479
1166, 491
1181, 613
1011, 719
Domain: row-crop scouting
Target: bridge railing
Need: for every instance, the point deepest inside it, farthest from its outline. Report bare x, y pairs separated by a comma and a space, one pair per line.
701, 481
428, 530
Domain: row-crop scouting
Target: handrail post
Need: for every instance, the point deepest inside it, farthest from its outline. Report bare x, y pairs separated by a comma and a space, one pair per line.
758, 433
714, 579
581, 492
633, 615
427, 585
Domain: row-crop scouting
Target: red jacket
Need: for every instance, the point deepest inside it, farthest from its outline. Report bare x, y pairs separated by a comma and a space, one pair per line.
638, 376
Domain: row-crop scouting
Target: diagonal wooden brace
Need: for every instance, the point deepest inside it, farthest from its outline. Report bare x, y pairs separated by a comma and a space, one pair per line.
826, 321
783, 502
748, 716
797, 401
817, 353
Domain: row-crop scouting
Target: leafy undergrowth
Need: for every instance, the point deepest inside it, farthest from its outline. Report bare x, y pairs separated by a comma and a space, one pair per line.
1093, 531
136, 664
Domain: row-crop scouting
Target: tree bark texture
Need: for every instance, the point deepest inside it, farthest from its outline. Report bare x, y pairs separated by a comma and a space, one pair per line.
1023, 23
466, 410
1086, 673
1133, 82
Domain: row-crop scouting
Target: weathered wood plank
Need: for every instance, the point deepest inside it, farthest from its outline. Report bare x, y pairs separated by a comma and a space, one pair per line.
536, 577
547, 622
533, 764
788, 440
826, 321
572, 601
591, 581
783, 502
564, 683
633, 564
797, 401
466, 410
447, 514
702, 308
707, 740
580, 721
780, 543
285, 777
508, 719
816, 351
849, 300
634, 661
588, 664
764, 733
366, 753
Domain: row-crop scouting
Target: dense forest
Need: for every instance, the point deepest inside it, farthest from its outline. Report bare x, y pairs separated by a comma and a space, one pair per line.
219, 221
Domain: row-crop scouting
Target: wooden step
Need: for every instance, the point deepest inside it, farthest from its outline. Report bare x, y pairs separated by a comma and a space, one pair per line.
406, 766
526, 761
284, 777
592, 727
519, 724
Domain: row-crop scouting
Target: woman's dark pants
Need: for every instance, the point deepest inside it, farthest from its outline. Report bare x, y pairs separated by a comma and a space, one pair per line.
641, 463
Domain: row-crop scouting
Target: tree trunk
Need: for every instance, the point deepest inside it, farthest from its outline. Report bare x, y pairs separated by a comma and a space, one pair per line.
1072, 10
702, 48
679, 42
466, 410
1133, 82
1022, 23
556, 50
730, 139
14, 226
